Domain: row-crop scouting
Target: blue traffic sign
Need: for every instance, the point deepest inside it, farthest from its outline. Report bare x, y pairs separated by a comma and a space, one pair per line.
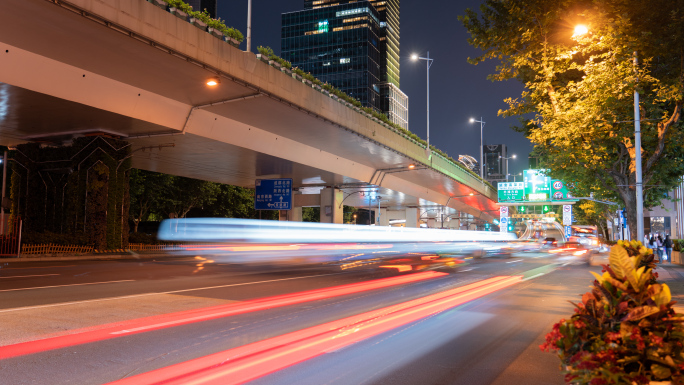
273, 194
568, 231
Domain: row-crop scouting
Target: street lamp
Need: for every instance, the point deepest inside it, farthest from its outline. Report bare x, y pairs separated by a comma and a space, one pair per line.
249, 26
428, 61
503, 157
514, 176
482, 123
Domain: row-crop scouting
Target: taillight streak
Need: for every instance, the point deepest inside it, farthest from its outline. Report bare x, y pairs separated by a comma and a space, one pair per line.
204, 314
255, 360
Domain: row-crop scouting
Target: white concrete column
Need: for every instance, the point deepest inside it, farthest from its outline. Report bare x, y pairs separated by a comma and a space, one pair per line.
412, 217
384, 219
455, 223
294, 215
331, 205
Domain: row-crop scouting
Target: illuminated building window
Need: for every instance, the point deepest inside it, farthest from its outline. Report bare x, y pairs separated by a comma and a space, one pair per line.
350, 27
345, 60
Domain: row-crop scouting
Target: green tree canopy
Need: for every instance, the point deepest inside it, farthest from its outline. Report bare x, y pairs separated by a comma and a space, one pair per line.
578, 103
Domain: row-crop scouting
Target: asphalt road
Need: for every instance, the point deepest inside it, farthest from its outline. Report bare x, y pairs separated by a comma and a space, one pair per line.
489, 340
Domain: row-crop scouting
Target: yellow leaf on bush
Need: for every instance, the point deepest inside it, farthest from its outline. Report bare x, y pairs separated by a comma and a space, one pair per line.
620, 262
663, 297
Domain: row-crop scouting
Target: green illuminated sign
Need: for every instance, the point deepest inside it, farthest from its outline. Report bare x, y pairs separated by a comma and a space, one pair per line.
536, 183
323, 26
511, 191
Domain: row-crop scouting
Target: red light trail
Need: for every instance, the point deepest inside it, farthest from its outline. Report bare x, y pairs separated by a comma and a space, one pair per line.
257, 359
146, 324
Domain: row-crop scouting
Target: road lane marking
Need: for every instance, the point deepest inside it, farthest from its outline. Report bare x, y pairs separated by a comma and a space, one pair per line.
72, 284
24, 276
37, 267
154, 293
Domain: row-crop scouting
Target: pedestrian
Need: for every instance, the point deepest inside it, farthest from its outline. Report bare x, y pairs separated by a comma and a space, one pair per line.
659, 245
667, 244
651, 244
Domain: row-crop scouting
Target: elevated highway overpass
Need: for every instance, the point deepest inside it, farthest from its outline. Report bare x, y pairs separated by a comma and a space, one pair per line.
131, 70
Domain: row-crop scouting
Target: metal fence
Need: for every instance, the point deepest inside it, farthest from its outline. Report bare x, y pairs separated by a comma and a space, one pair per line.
54, 249
9, 242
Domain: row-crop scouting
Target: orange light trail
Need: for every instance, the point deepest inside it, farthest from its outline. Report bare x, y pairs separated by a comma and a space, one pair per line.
146, 324
400, 268
248, 362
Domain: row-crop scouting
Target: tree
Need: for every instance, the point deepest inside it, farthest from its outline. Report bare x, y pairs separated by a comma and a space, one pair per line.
577, 108
187, 193
233, 202
146, 191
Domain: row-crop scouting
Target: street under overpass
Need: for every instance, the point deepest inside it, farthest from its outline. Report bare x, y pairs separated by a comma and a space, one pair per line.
130, 70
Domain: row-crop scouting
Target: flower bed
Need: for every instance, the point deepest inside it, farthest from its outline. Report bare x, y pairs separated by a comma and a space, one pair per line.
625, 330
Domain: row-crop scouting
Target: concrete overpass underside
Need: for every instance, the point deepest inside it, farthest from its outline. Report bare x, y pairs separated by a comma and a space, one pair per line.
128, 69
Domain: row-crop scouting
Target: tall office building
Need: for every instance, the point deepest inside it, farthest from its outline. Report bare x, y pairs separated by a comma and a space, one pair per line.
201, 5
354, 46
495, 166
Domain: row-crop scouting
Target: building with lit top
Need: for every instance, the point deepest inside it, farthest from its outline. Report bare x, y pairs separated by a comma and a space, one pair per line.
352, 45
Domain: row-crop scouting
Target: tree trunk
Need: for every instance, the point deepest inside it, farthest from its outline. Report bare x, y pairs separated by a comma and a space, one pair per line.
628, 196
135, 225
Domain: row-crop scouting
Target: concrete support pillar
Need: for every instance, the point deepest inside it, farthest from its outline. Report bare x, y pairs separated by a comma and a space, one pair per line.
412, 217
294, 215
331, 205
384, 219
455, 224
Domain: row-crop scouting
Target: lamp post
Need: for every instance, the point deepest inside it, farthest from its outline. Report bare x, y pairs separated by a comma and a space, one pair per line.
428, 61
637, 160
249, 25
503, 157
482, 123
514, 176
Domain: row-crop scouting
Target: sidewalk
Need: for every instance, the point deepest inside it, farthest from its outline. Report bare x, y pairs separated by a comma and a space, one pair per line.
673, 276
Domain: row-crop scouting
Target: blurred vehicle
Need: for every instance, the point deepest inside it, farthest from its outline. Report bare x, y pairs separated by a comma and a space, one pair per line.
573, 252
550, 241
585, 235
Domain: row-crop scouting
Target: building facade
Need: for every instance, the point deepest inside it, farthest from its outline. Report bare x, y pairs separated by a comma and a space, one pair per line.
352, 45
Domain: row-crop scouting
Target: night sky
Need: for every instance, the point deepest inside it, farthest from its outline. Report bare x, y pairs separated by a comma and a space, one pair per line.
458, 90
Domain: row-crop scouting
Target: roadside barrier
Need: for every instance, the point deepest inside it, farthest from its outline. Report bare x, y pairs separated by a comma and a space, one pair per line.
49, 248
54, 249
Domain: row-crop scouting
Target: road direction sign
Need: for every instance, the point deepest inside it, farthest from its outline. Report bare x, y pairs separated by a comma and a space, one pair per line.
503, 224
567, 215
273, 194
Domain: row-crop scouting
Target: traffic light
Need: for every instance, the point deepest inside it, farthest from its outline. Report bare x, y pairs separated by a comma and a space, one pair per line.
522, 209
486, 226
546, 209
510, 227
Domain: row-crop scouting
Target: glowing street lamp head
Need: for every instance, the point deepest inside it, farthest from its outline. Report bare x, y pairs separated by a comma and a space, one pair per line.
580, 30
411, 166
514, 156
472, 120
414, 57
213, 82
